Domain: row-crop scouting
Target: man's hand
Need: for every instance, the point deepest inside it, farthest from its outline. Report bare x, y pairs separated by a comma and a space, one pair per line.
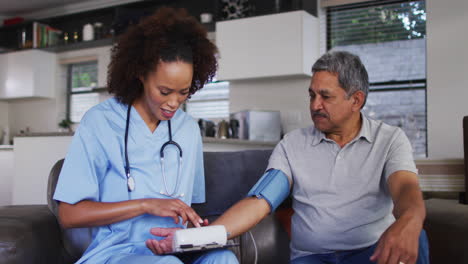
399, 243
160, 247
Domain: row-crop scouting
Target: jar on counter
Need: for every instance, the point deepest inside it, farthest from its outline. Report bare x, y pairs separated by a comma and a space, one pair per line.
88, 32
98, 30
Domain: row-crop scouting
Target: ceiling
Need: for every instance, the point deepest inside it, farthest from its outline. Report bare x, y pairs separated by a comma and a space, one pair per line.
37, 9
10, 8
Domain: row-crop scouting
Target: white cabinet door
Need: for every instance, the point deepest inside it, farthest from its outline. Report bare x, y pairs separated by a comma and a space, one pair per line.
25, 74
6, 176
284, 44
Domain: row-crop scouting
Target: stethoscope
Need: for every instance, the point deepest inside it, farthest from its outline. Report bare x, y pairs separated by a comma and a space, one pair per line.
131, 180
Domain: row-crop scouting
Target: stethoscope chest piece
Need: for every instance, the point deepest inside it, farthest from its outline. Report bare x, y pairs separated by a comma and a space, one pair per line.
130, 183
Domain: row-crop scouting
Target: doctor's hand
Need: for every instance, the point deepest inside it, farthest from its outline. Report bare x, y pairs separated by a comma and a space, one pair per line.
159, 247
174, 208
399, 243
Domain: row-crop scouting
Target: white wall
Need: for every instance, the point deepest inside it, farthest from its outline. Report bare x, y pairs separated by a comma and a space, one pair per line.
447, 82
288, 95
37, 114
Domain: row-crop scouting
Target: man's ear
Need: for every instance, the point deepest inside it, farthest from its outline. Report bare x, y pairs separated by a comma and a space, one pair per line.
358, 100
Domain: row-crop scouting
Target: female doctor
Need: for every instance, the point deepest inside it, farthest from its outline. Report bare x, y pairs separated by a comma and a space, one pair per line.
136, 161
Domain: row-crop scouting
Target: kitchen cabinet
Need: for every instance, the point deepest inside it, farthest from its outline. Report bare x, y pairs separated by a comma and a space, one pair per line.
6, 175
284, 44
33, 159
27, 74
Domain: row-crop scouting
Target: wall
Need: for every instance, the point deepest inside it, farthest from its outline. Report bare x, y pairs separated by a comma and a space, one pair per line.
39, 115
288, 95
447, 85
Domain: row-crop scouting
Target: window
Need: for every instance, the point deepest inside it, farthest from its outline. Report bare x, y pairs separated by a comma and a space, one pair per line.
211, 102
389, 37
82, 81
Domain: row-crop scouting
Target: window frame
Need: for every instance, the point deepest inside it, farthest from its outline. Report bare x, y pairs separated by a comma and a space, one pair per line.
69, 84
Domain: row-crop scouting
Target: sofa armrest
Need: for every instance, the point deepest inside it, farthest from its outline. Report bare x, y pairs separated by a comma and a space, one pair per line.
268, 241
446, 226
29, 234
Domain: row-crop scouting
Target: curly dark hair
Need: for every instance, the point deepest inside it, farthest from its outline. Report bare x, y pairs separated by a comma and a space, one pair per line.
168, 35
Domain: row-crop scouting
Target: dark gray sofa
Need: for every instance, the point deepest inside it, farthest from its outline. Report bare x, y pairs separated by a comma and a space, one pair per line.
31, 233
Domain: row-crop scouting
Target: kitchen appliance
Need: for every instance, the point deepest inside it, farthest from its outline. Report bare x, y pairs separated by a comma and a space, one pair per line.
5, 136
223, 129
259, 125
207, 128
234, 128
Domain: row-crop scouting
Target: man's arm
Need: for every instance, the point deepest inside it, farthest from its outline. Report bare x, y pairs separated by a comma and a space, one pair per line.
243, 215
400, 242
407, 196
239, 218
265, 196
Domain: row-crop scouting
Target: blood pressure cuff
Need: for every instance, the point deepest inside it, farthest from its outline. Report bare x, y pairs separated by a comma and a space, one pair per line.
273, 187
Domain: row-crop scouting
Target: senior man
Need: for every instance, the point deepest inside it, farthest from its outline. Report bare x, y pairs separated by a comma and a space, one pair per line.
353, 180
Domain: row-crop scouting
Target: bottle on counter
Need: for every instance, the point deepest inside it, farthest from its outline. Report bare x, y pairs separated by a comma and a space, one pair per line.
65, 38
75, 36
98, 30
6, 136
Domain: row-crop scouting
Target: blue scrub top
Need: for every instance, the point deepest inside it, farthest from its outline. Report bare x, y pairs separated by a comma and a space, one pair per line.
94, 169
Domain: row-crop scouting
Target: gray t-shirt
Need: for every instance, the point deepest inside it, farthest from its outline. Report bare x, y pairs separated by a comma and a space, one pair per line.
341, 199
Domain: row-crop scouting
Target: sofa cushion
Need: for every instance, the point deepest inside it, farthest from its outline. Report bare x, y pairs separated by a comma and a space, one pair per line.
29, 234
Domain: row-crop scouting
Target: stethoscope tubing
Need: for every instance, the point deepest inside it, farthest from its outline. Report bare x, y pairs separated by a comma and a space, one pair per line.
131, 180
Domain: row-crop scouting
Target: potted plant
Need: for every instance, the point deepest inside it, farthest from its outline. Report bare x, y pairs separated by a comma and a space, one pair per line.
65, 125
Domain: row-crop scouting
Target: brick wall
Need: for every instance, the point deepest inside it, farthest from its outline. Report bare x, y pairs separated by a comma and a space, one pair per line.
393, 60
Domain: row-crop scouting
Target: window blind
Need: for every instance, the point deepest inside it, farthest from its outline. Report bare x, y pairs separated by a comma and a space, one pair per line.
210, 102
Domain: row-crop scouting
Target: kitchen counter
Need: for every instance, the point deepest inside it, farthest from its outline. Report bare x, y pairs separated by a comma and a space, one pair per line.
6, 147
238, 141
46, 134
210, 140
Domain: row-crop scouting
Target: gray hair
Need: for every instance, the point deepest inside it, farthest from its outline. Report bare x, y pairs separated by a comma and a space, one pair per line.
352, 75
